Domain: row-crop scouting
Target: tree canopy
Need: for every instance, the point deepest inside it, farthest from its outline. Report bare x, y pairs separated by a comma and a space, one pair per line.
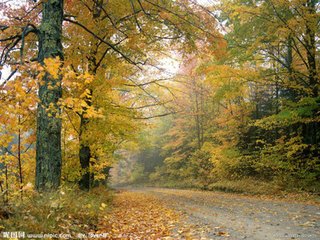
88, 90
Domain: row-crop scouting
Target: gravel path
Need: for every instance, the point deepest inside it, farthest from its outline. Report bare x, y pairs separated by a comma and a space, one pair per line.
216, 215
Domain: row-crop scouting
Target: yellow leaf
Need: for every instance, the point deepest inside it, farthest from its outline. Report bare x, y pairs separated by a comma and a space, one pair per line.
52, 66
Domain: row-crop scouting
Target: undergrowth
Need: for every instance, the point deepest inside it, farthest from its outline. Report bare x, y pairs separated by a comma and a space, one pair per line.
68, 211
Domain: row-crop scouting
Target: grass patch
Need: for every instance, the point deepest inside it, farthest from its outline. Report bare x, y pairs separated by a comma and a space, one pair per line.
68, 210
248, 186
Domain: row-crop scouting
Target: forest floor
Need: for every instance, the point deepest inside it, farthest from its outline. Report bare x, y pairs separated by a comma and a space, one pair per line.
188, 214
160, 213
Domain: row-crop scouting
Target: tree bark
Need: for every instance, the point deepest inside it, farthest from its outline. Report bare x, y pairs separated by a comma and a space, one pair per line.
311, 51
84, 151
87, 177
19, 157
48, 151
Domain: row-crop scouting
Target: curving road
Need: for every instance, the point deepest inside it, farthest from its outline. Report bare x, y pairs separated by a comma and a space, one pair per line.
215, 215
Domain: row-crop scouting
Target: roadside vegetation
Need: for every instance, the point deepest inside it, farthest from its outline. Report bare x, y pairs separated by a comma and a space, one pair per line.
67, 211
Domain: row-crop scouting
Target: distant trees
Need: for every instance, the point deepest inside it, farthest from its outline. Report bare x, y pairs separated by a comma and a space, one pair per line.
252, 110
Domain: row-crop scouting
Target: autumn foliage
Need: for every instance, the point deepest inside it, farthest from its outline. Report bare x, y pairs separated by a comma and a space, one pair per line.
86, 94
247, 113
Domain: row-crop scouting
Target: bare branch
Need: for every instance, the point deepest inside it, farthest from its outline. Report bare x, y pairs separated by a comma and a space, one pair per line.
155, 116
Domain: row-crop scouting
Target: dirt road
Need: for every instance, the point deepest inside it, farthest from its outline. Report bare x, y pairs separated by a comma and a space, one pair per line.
215, 215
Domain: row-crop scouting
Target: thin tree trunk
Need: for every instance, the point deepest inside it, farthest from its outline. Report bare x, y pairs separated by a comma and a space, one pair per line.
202, 116
311, 51
2, 193
311, 130
197, 119
48, 151
84, 152
19, 157
87, 178
7, 185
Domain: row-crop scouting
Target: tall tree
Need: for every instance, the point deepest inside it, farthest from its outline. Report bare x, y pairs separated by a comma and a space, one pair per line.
48, 154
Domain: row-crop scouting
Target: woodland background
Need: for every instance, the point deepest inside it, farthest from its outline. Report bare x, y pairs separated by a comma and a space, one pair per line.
247, 115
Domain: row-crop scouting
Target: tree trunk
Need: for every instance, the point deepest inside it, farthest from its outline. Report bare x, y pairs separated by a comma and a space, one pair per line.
19, 158
7, 185
311, 49
84, 152
197, 119
2, 193
87, 177
48, 152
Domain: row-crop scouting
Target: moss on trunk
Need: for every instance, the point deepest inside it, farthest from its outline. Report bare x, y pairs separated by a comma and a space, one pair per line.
48, 153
